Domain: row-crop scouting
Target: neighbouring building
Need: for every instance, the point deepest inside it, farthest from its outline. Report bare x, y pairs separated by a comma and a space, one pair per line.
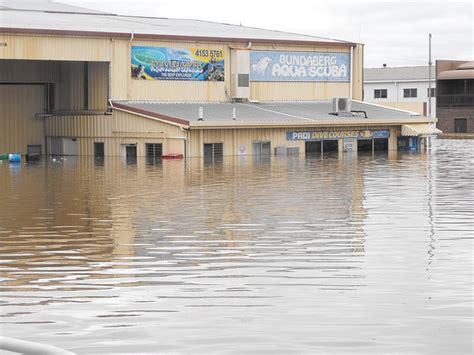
405, 88
75, 81
455, 96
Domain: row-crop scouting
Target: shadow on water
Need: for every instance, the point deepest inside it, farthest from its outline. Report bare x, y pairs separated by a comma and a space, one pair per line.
111, 254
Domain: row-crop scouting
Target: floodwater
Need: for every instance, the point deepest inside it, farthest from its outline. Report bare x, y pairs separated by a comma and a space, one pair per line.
342, 255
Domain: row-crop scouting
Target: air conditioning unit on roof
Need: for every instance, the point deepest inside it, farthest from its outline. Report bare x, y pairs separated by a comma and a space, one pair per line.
341, 105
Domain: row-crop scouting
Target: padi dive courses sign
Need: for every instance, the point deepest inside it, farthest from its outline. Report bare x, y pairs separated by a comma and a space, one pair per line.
299, 66
165, 63
320, 135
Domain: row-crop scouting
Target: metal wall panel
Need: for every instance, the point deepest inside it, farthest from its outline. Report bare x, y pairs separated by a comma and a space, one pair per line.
284, 91
277, 136
126, 88
115, 130
358, 73
71, 86
55, 48
98, 79
18, 125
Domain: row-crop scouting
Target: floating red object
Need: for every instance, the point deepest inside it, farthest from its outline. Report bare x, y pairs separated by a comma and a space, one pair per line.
172, 156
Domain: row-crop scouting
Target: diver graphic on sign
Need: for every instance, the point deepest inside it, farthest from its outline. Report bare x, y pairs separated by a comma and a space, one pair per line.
261, 65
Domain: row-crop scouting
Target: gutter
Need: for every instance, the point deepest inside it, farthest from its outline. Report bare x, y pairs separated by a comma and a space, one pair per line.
126, 35
313, 123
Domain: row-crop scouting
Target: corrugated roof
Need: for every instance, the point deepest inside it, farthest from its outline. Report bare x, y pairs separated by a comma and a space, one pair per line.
399, 73
265, 112
64, 18
44, 5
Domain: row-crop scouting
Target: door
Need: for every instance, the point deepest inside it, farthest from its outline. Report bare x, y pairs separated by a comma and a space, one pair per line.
99, 150
460, 125
131, 151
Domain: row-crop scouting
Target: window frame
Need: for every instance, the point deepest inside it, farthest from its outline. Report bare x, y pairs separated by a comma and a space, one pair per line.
410, 92
381, 93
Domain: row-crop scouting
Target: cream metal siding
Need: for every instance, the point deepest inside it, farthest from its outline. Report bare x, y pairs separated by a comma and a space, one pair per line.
41, 47
124, 87
244, 137
284, 91
18, 125
358, 72
98, 82
120, 69
115, 130
71, 86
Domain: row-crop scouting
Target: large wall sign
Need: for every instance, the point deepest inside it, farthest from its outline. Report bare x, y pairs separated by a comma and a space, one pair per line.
299, 66
320, 135
164, 63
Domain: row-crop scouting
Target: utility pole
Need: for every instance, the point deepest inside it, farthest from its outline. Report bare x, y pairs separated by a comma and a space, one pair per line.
429, 75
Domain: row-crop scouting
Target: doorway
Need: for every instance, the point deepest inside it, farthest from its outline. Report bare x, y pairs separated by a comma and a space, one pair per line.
460, 125
99, 151
312, 147
131, 151
330, 146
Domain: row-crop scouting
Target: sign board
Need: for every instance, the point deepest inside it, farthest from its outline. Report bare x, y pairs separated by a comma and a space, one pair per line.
299, 66
331, 135
165, 63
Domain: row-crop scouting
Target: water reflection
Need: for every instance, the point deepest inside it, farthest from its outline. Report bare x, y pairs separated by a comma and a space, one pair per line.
287, 253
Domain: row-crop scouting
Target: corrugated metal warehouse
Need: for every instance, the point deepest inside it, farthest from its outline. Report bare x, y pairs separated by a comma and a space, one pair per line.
75, 81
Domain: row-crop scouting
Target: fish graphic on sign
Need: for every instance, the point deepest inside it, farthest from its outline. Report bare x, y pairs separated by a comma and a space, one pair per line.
261, 65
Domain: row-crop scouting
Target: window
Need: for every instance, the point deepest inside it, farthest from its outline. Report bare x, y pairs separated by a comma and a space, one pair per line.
410, 92
213, 151
380, 93
262, 148
433, 92
154, 150
460, 125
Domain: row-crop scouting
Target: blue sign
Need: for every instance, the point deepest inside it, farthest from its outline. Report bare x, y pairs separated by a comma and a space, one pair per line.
164, 63
299, 66
332, 135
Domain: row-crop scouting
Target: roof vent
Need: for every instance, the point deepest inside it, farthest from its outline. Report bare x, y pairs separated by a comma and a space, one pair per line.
201, 114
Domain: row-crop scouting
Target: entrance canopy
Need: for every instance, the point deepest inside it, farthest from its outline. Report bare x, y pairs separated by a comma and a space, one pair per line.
414, 130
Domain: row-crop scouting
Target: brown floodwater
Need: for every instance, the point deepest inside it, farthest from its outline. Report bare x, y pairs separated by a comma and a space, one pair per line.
335, 254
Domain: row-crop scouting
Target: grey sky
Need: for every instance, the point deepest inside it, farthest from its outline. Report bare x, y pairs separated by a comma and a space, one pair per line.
395, 33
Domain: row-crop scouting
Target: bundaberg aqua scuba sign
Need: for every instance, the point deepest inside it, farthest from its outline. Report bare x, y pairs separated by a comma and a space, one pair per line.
299, 66
165, 63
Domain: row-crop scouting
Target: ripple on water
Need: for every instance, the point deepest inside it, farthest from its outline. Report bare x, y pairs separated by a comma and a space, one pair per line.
358, 254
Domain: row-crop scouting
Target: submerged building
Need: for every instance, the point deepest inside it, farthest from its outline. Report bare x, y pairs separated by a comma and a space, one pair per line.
75, 81
455, 96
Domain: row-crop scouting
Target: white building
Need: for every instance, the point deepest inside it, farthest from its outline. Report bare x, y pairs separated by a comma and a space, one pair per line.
401, 87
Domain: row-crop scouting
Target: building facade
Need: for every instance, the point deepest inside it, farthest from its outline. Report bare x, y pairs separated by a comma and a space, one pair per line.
405, 88
80, 82
455, 97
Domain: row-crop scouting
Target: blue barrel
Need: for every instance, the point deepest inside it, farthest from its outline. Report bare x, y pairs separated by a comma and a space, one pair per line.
14, 158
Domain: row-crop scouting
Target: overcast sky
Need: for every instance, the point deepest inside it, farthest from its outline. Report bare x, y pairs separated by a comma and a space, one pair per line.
394, 32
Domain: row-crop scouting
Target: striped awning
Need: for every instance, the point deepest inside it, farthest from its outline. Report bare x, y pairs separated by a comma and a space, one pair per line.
415, 130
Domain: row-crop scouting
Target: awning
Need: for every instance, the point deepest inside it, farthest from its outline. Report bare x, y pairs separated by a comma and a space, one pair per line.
414, 130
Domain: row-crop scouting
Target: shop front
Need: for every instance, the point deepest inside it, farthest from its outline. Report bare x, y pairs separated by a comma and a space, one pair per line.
347, 140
